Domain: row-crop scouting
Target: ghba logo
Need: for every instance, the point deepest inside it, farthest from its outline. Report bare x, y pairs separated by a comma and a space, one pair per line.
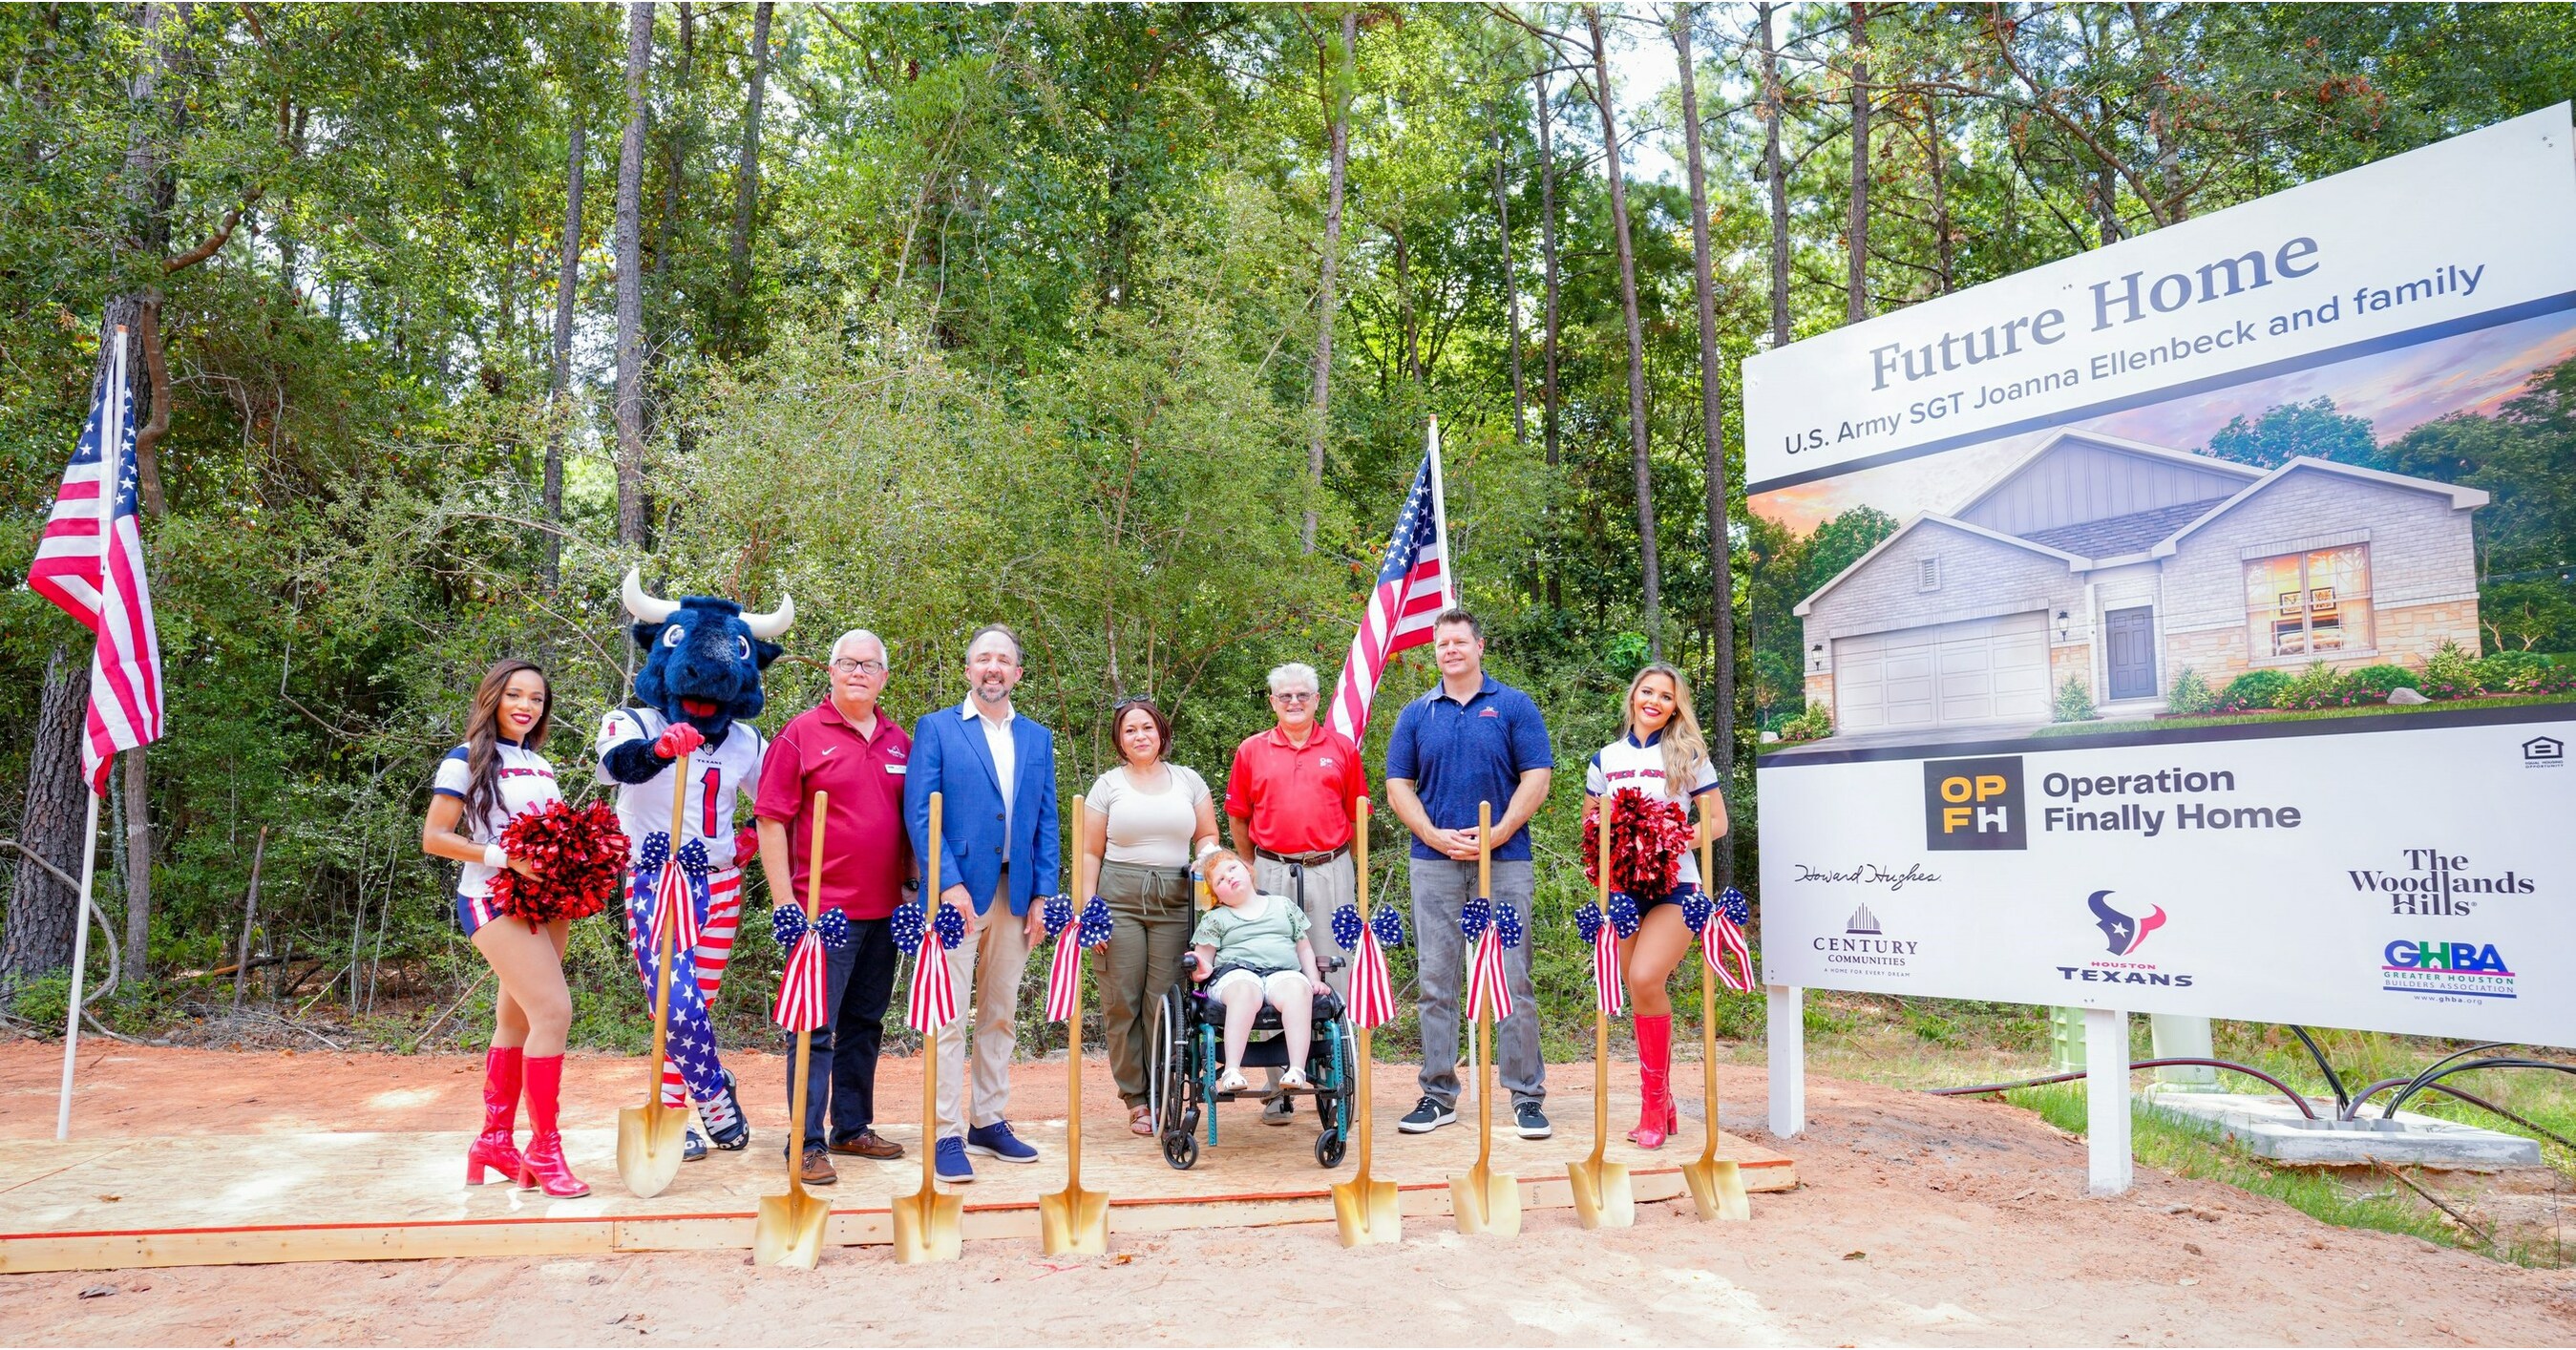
2122, 935
2445, 972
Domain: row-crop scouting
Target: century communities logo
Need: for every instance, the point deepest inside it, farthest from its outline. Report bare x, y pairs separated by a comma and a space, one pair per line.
1974, 804
2445, 972
2435, 883
1864, 948
2123, 933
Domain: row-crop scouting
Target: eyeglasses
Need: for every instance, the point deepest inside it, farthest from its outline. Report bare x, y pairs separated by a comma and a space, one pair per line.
1301, 696
846, 666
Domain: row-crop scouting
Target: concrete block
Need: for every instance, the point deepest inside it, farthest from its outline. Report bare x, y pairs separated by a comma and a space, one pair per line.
2269, 1127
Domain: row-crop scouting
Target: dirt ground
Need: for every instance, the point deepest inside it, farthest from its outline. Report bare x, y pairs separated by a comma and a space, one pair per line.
1921, 1220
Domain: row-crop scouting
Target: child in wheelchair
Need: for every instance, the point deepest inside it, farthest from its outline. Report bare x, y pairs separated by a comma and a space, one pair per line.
1252, 950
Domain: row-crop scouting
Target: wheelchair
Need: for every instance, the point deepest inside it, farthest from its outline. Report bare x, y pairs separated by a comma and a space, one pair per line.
1186, 1045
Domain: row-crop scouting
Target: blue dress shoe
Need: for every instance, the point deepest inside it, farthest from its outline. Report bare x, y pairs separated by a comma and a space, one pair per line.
997, 1141
951, 1161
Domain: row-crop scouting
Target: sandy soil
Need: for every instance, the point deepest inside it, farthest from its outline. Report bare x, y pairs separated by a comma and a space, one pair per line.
1922, 1220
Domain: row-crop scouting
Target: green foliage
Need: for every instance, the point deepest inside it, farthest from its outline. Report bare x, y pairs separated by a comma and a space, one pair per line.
2253, 690
2289, 430
2073, 701
2451, 673
1814, 723
2380, 680
2191, 695
2319, 686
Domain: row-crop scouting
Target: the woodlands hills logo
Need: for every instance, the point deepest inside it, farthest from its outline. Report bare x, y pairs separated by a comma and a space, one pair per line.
2435, 883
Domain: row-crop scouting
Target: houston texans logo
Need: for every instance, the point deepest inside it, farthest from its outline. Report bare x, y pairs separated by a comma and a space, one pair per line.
2123, 934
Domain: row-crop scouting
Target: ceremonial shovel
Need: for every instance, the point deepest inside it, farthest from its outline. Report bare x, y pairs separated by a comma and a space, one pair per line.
650, 1137
1364, 1209
1484, 1201
926, 1222
789, 1231
1716, 1184
1602, 1196
1073, 1221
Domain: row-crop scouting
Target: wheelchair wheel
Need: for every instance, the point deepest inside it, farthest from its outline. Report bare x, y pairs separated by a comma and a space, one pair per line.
1329, 1148
1167, 1076
1181, 1149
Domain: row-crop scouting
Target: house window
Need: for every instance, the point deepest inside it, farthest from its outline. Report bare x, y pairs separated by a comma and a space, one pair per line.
1928, 575
2315, 603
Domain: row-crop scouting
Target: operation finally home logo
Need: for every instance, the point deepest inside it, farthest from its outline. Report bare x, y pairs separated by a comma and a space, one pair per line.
1974, 804
2123, 933
2432, 882
2444, 972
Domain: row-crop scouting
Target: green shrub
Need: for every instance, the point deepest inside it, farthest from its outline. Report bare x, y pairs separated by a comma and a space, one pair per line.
2510, 672
2319, 686
1814, 724
2382, 680
2191, 694
2451, 673
2552, 675
2074, 702
2253, 691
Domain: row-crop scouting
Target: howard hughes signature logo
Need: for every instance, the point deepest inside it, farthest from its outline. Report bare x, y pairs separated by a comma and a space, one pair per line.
1867, 874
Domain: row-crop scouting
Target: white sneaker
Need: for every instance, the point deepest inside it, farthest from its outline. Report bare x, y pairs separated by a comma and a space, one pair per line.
1231, 1081
1294, 1078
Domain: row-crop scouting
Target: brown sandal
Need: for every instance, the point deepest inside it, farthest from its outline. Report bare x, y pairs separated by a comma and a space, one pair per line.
1140, 1120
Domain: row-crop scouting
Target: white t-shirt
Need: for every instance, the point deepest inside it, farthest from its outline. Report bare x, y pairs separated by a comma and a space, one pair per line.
718, 775
1149, 828
527, 781
1629, 763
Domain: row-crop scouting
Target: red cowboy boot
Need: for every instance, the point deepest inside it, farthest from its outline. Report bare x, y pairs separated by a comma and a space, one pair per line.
545, 1167
1656, 1115
492, 1149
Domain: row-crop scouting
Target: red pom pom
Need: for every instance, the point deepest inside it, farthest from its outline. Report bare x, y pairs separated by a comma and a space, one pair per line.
578, 855
1648, 839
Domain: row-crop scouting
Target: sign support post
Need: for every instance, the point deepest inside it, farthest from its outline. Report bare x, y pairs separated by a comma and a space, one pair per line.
1785, 1032
2108, 1167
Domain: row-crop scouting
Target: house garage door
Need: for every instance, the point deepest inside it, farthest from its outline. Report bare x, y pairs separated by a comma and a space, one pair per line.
1951, 674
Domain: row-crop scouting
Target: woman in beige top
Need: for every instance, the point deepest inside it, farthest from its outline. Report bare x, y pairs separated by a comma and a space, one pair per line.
1143, 824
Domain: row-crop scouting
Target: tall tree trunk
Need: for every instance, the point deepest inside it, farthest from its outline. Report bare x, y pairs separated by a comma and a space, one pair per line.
1337, 85
630, 281
1936, 148
746, 179
1856, 228
1638, 440
1511, 290
2106, 182
1778, 180
138, 864
1721, 553
39, 938
559, 380
1547, 252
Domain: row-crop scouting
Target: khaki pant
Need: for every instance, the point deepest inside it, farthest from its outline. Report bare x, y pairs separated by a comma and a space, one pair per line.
1152, 917
985, 970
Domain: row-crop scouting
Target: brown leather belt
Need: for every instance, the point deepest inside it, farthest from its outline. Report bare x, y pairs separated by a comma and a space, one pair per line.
1316, 859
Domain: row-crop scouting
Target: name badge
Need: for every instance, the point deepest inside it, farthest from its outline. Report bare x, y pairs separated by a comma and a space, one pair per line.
897, 769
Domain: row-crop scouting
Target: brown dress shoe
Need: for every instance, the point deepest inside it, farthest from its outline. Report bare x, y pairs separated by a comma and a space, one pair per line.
869, 1144
817, 1170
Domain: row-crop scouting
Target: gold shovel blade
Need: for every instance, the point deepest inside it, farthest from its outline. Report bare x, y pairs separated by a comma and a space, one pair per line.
1365, 1212
1074, 1222
1487, 1202
1717, 1188
649, 1141
1602, 1195
925, 1227
789, 1231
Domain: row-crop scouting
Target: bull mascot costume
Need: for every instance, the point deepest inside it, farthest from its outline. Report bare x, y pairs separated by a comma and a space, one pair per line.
699, 690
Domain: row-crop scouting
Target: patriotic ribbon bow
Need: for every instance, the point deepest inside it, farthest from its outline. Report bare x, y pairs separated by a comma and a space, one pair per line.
1603, 931
934, 997
801, 986
1372, 1002
1064, 974
1721, 936
678, 894
1491, 928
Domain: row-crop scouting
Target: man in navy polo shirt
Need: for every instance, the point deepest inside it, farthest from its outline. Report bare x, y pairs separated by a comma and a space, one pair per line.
1472, 739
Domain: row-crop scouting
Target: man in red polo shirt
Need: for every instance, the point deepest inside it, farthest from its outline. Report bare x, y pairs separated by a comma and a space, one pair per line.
1288, 799
849, 749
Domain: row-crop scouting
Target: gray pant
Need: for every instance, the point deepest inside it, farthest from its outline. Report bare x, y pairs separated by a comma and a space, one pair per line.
1441, 887
1328, 887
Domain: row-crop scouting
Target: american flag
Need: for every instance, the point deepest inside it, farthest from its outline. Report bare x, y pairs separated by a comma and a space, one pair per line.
1723, 937
1487, 989
1064, 977
105, 589
1413, 586
672, 907
801, 986
934, 999
1372, 991
1609, 991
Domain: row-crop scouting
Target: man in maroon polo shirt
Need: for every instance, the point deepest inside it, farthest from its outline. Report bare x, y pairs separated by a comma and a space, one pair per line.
1288, 799
849, 749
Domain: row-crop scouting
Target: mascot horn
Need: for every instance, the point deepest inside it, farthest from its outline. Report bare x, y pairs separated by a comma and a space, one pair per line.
698, 691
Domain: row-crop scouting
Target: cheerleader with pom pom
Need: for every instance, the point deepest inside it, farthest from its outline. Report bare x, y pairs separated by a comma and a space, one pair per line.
482, 788
1648, 779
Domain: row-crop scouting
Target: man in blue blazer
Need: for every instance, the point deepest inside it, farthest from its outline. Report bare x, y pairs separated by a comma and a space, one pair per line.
998, 860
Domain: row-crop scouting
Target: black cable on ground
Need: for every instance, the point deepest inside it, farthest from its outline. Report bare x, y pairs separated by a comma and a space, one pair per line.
2343, 1099
2136, 1064
2499, 1062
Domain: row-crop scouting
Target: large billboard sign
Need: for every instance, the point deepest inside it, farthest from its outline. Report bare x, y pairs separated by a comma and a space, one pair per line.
2156, 630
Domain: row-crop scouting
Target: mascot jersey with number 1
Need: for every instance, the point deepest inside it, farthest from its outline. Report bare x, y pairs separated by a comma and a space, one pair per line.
699, 686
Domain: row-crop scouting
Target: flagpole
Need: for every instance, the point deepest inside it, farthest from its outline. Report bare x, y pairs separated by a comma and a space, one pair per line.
1440, 519
111, 431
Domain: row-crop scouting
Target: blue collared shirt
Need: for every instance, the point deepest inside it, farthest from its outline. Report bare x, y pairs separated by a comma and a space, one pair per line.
1459, 754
